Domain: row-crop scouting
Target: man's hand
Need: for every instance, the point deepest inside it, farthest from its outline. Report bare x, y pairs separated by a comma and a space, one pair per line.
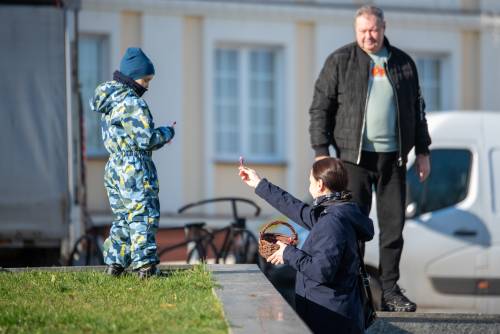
321, 157
423, 166
249, 176
277, 257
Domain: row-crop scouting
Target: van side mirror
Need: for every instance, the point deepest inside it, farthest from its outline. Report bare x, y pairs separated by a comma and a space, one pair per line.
411, 210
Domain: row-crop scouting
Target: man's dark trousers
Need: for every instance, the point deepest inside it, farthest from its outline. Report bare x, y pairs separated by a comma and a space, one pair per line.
380, 171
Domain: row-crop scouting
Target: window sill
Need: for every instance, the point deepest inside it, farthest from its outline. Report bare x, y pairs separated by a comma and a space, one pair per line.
251, 162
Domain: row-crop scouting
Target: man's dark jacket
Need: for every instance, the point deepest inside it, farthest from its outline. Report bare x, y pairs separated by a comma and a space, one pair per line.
339, 104
328, 263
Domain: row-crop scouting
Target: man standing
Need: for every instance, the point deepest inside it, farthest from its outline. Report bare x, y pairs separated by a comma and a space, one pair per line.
367, 104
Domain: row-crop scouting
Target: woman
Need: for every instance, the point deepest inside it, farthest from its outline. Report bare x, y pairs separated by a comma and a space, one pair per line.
327, 293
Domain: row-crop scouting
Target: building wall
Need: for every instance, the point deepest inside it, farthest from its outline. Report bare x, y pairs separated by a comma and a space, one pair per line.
227, 183
181, 36
163, 43
489, 66
131, 28
193, 130
300, 153
471, 70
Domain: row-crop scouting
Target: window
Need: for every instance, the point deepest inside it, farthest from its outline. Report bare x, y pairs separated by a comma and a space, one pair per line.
447, 185
429, 72
247, 104
91, 70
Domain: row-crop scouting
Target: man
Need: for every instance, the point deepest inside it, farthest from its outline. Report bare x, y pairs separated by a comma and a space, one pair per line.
367, 104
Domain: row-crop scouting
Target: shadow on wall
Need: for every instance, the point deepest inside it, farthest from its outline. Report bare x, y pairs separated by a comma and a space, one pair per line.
283, 279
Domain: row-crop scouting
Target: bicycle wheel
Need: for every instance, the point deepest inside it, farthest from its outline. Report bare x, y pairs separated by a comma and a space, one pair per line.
87, 251
243, 248
203, 247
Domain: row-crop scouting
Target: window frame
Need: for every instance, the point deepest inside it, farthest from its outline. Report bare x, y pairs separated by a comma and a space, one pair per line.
244, 52
442, 60
93, 152
494, 161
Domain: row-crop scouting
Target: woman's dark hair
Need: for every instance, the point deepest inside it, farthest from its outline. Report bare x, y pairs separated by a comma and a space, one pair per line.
332, 172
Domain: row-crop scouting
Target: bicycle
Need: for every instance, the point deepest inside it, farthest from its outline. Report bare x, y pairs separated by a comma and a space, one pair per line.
197, 240
87, 250
238, 244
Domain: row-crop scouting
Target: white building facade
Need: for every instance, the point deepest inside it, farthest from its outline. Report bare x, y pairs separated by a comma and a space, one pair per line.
238, 78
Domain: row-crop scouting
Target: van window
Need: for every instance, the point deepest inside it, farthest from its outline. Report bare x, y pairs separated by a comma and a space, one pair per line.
495, 177
447, 184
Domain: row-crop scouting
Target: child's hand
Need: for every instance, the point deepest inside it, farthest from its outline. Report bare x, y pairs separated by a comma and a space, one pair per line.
277, 257
249, 176
172, 131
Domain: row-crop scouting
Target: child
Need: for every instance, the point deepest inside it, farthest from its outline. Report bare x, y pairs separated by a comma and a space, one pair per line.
130, 175
327, 293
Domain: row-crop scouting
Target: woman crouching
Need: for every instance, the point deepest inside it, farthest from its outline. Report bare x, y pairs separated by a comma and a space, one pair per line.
327, 292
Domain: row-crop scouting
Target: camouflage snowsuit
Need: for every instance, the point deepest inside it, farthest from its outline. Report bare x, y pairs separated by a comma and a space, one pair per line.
130, 175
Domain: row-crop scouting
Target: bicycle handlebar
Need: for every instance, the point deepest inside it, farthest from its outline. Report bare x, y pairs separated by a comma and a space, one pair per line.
233, 201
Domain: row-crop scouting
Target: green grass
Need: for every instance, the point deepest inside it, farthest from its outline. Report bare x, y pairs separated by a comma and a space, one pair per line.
92, 302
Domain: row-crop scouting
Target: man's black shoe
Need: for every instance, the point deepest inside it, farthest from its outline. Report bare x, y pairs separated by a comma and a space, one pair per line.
395, 301
114, 270
149, 270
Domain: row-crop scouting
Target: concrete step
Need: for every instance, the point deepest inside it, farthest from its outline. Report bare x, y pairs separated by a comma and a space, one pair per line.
435, 323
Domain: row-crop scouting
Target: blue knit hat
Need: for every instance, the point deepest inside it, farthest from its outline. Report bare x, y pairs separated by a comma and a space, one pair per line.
136, 64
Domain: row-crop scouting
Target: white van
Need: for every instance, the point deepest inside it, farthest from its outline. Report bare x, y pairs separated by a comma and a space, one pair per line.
451, 256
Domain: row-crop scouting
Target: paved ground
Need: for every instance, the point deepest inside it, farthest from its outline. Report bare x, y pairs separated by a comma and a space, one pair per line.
435, 323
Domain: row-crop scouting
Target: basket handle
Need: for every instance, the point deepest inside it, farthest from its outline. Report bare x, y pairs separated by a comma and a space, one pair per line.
293, 238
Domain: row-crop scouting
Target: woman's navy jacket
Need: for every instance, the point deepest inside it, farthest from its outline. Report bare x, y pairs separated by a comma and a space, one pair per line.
328, 263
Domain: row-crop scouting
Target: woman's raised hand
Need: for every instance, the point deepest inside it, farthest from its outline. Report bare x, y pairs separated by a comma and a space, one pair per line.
249, 176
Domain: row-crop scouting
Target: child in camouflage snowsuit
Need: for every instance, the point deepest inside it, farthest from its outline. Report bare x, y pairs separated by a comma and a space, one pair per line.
130, 175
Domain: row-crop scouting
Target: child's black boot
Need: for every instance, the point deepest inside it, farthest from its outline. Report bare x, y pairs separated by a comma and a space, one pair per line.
149, 270
114, 270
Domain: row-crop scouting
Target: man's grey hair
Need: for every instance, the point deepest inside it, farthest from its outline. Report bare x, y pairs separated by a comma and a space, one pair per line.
370, 10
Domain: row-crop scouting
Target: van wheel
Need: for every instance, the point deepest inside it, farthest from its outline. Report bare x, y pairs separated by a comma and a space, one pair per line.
375, 286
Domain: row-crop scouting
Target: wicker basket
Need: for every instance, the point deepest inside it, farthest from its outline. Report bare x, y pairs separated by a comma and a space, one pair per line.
267, 241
